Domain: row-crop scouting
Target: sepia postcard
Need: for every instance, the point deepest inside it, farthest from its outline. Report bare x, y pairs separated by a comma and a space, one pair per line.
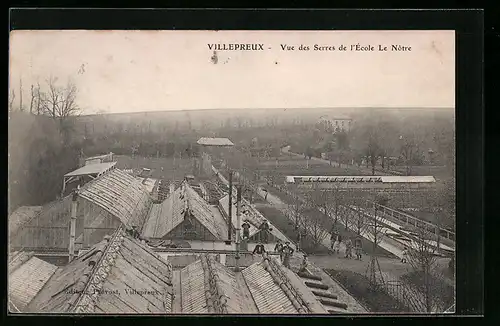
231, 172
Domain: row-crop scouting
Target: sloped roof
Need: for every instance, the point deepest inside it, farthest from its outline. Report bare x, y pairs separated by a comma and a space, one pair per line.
119, 275
205, 141
120, 194
21, 215
164, 217
207, 286
202, 212
91, 169
27, 279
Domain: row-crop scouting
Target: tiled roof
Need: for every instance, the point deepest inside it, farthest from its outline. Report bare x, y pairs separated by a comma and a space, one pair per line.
121, 195
164, 217
268, 296
207, 286
26, 280
21, 216
193, 289
214, 141
202, 212
91, 169
119, 275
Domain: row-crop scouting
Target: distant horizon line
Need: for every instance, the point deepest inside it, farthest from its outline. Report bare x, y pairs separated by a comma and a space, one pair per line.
284, 109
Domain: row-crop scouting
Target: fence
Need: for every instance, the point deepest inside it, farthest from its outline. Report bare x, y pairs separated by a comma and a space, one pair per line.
404, 294
397, 215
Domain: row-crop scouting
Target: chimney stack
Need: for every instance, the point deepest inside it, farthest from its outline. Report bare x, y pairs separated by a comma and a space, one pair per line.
72, 229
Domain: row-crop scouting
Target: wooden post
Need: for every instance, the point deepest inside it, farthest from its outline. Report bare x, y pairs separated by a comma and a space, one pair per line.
64, 187
72, 230
230, 208
238, 222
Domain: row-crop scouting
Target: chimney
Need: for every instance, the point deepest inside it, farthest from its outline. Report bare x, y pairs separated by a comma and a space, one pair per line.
230, 208
72, 228
238, 222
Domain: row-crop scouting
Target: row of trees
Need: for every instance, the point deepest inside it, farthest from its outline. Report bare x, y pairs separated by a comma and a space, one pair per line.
42, 146
425, 273
409, 137
382, 139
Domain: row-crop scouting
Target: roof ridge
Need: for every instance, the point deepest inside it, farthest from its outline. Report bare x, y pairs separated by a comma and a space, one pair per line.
98, 274
284, 283
216, 298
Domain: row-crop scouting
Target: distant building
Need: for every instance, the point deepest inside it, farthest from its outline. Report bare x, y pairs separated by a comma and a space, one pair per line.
211, 147
336, 123
105, 158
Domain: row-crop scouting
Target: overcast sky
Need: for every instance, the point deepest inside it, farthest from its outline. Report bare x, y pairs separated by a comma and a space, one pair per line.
132, 71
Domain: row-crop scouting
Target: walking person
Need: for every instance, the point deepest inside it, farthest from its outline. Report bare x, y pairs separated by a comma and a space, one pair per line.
303, 265
358, 247
279, 248
336, 245
333, 239
348, 248
404, 255
287, 254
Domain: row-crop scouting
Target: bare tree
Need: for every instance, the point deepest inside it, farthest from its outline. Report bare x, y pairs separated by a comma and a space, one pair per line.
60, 102
372, 147
422, 258
21, 108
296, 210
377, 232
314, 228
359, 221
409, 148
12, 97
33, 98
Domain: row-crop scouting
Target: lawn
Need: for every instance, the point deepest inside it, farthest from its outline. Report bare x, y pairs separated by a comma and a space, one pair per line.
358, 285
328, 223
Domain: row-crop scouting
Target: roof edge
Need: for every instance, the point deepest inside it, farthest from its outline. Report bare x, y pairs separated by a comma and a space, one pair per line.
87, 300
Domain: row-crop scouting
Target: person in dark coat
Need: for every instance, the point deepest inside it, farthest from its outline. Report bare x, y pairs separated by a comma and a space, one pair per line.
358, 247
287, 254
264, 229
279, 248
246, 229
259, 249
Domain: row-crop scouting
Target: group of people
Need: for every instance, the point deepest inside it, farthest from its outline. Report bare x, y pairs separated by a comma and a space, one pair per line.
351, 244
285, 251
263, 234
